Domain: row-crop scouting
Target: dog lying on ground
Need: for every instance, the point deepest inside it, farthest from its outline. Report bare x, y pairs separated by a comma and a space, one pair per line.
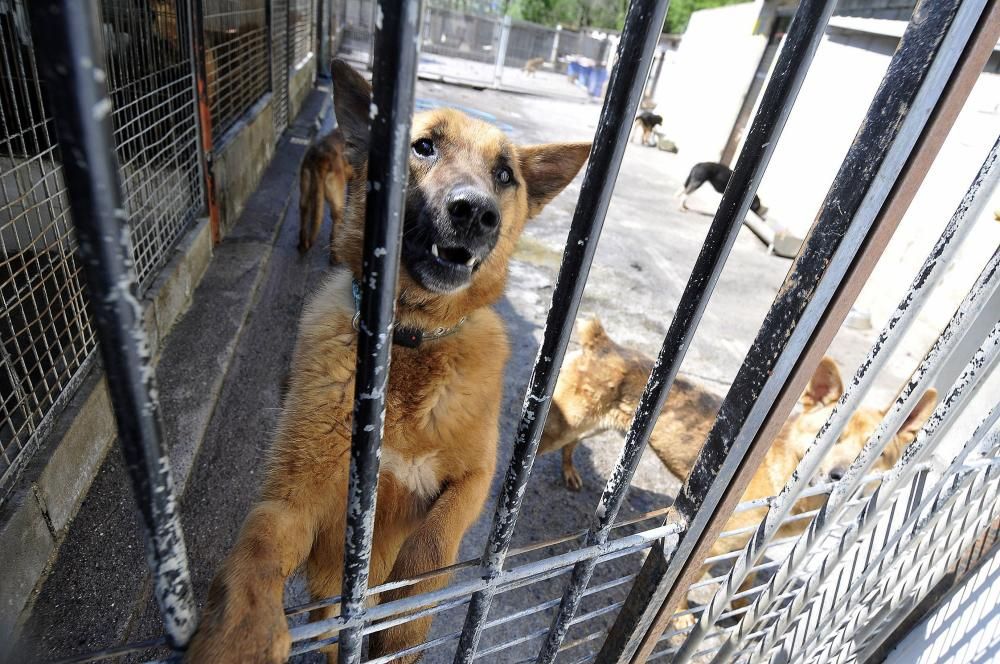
647, 121
718, 176
532, 66
599, 389
470, 193
323, 176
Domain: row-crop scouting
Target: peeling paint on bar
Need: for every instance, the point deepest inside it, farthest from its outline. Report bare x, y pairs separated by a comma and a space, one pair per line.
793, 63
927, 277
67, 41
393, 83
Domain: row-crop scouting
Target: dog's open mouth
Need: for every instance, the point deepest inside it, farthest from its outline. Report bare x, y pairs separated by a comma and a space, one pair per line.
454, 256
441, 268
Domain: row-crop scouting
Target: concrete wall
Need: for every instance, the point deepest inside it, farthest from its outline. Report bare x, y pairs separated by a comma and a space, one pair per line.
701, 90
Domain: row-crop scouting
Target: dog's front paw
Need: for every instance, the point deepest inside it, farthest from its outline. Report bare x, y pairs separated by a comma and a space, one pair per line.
235, 631
572, 478
683, 623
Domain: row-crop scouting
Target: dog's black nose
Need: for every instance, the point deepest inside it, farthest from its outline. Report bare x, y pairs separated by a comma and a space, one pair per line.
836, 474
472, 211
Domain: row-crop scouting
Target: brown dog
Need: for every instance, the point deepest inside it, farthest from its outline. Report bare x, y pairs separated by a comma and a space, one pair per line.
323, 176
599, 389
532, 66
471, 192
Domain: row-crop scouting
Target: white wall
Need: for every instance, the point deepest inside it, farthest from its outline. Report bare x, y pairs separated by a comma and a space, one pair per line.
700, 93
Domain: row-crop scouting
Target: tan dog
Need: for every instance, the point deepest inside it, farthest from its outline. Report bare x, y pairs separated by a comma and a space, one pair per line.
532, 66
323, 176
471, 192
599, 388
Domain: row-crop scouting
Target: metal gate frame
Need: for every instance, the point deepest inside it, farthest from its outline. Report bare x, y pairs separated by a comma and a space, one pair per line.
928, 79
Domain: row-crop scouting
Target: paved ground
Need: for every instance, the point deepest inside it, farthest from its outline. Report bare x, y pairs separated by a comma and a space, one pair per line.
97, 594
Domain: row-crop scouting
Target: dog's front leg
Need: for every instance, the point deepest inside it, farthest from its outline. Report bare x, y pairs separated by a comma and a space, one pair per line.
243, 620
432, 546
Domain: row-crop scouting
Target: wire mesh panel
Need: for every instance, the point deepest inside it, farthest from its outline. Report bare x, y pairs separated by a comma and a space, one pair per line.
46, 334
458, 34
528, 41
280, 46
150, 79
302, 30
45, 328
236, 59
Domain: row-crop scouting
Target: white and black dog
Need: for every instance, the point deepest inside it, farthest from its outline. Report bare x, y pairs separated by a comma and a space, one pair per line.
718, 176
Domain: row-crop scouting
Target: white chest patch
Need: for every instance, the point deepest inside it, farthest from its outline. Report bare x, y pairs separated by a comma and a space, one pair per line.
418, 474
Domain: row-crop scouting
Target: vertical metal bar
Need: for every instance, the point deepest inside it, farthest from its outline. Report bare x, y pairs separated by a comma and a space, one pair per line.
393, 84
71, 60
804, 36
909, 92
324, 14
196, 32
899, 322
635, 52
501, 51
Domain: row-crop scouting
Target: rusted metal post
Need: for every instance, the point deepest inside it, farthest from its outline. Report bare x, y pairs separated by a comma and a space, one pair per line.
196, 31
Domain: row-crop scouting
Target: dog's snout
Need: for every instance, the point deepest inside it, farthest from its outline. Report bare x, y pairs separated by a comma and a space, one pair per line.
472, 211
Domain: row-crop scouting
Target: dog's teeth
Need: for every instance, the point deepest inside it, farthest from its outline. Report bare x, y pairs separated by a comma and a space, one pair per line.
470, 263
434, 250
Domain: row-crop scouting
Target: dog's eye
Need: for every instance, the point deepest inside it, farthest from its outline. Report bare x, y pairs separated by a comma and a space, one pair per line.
423, 148
504, 176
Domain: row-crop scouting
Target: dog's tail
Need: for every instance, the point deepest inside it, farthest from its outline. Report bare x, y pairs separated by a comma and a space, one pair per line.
592, 334
310, 203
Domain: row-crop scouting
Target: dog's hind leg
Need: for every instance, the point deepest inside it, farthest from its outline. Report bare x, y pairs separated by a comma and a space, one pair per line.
310, 207
570, 475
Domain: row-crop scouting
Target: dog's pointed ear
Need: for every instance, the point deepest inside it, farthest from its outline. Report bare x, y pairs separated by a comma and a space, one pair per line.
915, 420
352, 99
825, 387
547, 169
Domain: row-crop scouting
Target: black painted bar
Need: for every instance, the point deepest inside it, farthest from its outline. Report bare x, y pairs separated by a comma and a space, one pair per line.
803, 38
875, 158
70, 54
643, 23
393, 81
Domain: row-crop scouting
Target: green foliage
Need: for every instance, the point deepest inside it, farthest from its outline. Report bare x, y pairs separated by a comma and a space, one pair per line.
680, 11
608, 14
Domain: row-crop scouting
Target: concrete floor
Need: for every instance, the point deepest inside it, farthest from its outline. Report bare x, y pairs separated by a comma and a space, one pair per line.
98, 594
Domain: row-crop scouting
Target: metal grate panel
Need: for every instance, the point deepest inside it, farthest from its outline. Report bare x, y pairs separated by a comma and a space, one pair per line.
150, 79
47, 337
236, 59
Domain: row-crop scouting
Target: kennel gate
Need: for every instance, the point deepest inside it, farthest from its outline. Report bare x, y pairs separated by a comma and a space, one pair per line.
879, 552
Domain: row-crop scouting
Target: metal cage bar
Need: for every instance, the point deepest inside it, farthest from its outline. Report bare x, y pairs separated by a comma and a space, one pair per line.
67, 33
916, 77
898, 324
635, 54
793, 63
393, 83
